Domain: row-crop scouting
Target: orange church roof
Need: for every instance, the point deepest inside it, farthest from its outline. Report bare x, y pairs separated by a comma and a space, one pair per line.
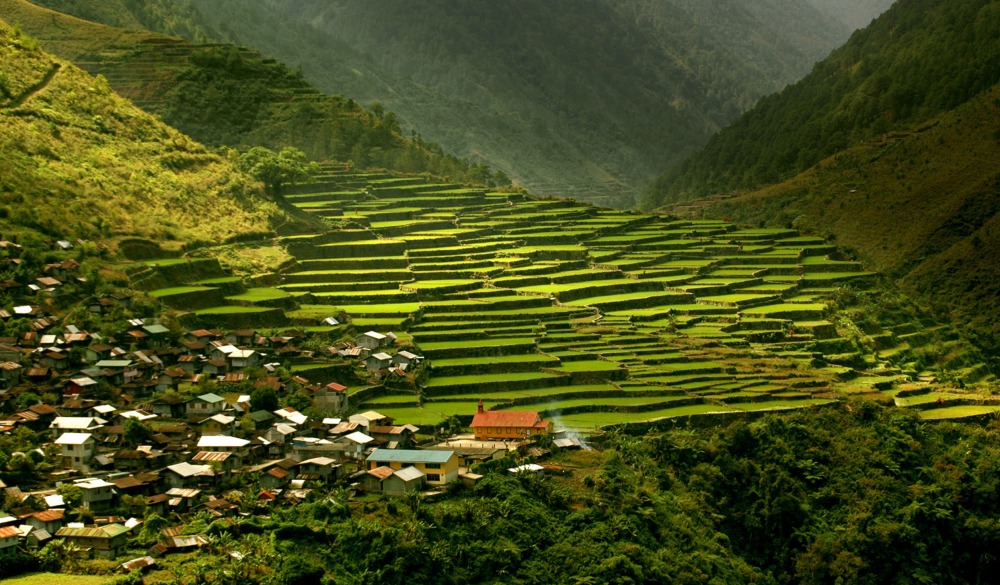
507, 418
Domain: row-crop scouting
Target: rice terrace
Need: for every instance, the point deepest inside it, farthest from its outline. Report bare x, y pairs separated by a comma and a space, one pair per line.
593, 317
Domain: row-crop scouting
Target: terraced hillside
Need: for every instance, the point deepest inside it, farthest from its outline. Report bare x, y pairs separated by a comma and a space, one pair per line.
592, 316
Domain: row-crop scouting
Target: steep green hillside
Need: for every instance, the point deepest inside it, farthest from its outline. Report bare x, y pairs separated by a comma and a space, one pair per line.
225, 95
589, 99
919, 59
923, 205
78, 161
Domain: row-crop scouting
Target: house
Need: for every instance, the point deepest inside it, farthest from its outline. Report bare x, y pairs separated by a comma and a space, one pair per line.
219, 424
372, 479
9, 537
291, 416
371, 340
378, 361
274, 478
75, 424
10, 374
157, 335
404, 481
97, 494
222, 462
508, 424
370, 417
106, 542
393, 436
406, 358
281, 433
243, 358
183, 474
331, 398
170, 405
181, 499
170, 378
225, 444
441, 467
469, 456
354, 444
317, 469
48, 520
205, 405
77, 450
261, 419
241, 336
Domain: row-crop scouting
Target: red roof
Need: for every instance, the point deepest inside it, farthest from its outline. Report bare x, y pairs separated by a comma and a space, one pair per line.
49, 515
507, 418
9, 531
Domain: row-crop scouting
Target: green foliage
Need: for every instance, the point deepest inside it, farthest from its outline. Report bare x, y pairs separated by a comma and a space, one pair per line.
917, 60
93, 166
264, 399
277, 169
136, 432
71, 494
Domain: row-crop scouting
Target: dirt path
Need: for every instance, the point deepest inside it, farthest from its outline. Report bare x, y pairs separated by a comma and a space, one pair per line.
36, 88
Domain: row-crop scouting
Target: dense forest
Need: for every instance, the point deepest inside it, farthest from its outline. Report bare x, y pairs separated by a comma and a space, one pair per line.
918, 60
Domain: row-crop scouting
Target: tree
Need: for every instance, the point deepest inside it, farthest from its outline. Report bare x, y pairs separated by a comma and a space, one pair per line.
264, 399
71, 494
277, 169
136, 432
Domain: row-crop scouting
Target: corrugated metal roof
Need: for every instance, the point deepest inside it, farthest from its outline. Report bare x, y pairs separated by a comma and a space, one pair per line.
410, 456
106, 531
409, 474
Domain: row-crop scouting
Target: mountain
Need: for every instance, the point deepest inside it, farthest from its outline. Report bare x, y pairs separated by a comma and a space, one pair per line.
589, 99
920, 59
906, 118
224, 95
79, 161
854, 14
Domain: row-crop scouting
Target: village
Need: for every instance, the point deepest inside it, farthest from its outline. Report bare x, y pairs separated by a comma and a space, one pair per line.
103, 432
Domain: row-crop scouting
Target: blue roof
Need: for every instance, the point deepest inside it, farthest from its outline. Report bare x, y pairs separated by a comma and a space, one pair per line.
410, 456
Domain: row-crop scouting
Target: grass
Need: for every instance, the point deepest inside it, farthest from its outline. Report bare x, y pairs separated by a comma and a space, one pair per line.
56, 579
963, 411
178, 290
260, 294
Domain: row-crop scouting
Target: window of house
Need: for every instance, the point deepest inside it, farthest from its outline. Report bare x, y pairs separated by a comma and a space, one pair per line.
432, 465
433, 477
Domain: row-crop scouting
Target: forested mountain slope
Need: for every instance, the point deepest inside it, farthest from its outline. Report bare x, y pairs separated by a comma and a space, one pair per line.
226, 95
79, 161
919, 59
569, 98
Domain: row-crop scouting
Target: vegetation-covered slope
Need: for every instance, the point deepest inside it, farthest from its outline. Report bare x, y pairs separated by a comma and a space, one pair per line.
918, 60
921, 205
77, 160
225, 95
586, 99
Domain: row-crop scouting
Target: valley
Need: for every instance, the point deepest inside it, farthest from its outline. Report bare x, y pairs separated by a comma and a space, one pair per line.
259, 331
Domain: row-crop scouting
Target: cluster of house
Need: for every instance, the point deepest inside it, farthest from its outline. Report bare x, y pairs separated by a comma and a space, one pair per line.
288, 455
197, 449
373, 347
45, 282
